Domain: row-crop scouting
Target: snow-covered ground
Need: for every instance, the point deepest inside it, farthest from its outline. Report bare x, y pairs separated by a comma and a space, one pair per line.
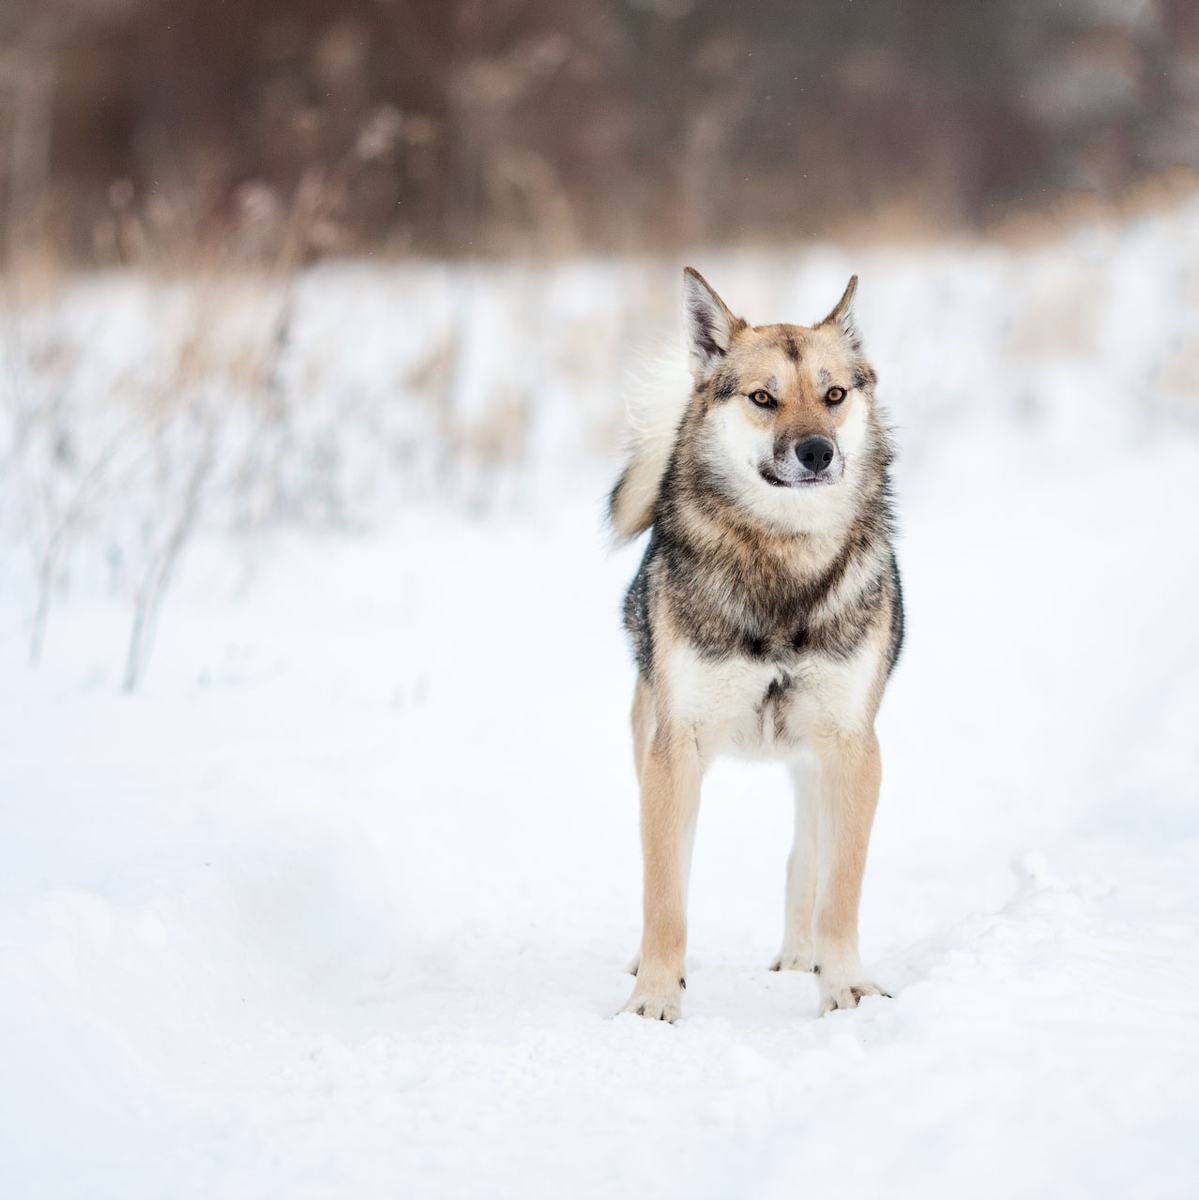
338, 903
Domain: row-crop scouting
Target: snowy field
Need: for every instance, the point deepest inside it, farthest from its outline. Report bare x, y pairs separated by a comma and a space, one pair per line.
337, 902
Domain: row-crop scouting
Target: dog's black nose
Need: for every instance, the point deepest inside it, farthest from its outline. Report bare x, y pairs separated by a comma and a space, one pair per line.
815, 453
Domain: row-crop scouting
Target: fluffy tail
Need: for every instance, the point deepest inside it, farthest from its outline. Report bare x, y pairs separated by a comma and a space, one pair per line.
656, 404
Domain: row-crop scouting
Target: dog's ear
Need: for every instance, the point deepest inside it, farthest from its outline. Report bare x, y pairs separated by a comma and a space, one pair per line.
710, 325
842, 314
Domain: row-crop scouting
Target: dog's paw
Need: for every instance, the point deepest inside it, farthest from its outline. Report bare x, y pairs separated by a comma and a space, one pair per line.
847, 995
655, 1008
656, 1001
786, 960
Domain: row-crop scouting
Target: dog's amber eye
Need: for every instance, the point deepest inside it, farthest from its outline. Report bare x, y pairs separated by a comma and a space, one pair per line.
834, 395
762, 399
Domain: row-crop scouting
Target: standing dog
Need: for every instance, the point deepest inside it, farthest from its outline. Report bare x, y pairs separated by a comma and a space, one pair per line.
766, 617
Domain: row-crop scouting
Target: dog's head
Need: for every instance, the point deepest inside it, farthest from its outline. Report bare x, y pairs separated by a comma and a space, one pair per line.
787, 427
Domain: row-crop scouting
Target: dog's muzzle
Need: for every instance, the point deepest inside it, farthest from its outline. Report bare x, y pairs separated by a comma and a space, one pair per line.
812, 461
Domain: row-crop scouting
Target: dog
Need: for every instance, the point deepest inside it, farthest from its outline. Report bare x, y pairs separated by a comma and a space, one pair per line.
766, 618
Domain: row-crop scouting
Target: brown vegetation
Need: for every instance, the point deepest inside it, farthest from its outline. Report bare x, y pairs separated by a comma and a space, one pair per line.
273, 130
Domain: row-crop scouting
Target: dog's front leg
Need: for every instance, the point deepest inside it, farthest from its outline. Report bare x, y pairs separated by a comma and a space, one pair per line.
670, 779
800, 902
850, 777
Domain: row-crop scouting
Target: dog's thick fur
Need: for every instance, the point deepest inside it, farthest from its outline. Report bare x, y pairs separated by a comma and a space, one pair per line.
766, 618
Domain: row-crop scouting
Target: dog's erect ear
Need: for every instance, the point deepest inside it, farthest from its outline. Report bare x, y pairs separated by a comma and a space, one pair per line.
842, 314
710, 325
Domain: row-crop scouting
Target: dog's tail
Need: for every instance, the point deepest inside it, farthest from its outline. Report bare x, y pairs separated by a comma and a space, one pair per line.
656, 402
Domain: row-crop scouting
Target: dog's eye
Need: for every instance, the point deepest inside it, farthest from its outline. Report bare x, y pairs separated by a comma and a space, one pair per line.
834, 395
762, 399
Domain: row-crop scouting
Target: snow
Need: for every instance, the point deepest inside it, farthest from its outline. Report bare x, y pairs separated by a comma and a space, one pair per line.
338, 903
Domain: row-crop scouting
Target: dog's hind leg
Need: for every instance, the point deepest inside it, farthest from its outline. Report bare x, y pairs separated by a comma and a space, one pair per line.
670, 780
848, 795
800, 903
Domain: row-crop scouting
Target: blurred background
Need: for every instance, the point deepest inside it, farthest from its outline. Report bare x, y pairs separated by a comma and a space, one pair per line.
182, 130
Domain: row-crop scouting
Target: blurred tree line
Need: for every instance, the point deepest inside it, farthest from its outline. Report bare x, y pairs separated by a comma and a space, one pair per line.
268, 129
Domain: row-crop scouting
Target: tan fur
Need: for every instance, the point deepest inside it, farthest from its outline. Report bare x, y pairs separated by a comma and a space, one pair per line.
643, 723
801, 410
670, 773
851, 772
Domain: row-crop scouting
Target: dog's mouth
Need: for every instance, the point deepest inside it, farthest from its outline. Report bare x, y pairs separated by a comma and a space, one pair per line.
778, 482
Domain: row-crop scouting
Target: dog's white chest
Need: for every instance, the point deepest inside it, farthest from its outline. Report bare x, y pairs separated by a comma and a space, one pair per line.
761, 709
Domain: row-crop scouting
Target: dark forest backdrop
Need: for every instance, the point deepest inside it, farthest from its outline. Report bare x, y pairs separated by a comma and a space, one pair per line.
306, 127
